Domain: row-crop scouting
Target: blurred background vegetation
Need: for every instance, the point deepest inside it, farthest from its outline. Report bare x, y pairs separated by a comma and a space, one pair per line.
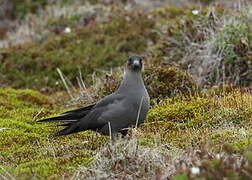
56, 54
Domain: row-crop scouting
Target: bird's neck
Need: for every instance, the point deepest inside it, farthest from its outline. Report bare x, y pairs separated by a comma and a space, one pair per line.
132, 80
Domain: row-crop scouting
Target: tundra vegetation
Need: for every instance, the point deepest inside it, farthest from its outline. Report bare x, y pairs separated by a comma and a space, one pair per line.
57, 55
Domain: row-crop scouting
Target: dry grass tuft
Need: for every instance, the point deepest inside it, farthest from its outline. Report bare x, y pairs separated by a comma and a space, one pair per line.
125, 158
128, 158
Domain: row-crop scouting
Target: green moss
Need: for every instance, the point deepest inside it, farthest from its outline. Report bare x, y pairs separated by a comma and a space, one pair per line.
10, 98
43, 169
25, 149
186, 121
179, 111
241, 145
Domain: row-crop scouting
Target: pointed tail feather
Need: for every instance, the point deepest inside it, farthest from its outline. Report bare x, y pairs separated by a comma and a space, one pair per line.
73, 128
71, 121
62, 117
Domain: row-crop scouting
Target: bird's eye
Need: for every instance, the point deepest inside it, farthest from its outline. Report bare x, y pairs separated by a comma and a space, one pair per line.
130, 61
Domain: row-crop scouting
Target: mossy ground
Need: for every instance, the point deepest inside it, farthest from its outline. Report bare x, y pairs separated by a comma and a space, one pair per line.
25, 149
183, 122
188, 121
186, 127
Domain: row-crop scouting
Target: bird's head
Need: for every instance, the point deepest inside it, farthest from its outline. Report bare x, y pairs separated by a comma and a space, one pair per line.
135, 63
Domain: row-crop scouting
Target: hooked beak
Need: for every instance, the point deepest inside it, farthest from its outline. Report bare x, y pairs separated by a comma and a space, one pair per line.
136, 64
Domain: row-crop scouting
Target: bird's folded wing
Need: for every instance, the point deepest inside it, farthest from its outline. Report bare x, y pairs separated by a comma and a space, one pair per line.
90, 121
110, 104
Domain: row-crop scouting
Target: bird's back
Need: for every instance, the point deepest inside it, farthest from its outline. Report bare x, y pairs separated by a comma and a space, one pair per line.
128, 112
